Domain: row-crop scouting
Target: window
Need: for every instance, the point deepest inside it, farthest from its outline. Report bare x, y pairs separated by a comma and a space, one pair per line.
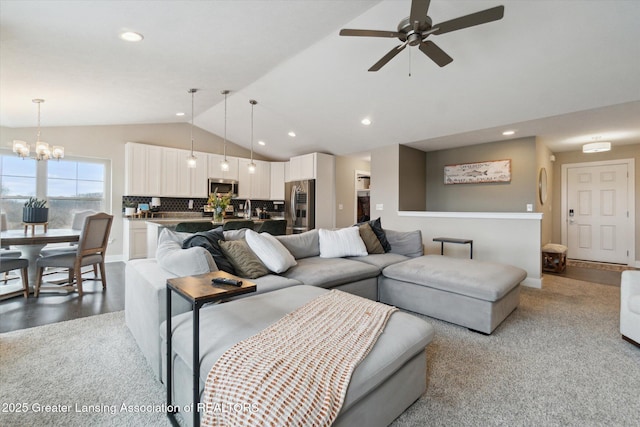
72, 186
69, 185
17, 183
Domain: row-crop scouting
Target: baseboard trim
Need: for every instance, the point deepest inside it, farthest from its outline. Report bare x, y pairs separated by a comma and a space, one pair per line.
114, 258
532, 282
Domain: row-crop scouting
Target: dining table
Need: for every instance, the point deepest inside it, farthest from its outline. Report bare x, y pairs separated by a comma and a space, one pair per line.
31, 243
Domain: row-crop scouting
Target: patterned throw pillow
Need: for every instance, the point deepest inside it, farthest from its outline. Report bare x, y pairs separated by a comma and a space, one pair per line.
341, 243
244, 261
370, 239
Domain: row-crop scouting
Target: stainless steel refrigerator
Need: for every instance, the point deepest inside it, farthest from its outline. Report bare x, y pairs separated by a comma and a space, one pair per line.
299, 206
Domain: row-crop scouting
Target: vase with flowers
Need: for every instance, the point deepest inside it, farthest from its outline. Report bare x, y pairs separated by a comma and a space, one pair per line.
217, 204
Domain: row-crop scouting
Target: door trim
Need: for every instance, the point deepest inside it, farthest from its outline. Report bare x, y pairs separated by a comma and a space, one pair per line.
631, 203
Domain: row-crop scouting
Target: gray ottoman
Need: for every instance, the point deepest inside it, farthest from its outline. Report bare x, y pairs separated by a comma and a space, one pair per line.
385, 384
475, 294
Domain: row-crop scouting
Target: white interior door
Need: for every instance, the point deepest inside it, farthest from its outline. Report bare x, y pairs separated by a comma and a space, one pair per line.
597, 215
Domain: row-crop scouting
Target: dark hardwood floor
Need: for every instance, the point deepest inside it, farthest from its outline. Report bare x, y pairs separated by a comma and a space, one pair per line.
18, 313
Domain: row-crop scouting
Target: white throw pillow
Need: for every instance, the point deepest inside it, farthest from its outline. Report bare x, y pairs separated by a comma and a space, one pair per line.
271, 252
341, 243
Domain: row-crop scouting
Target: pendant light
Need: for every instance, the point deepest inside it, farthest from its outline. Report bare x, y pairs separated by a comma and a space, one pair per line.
224, 164
192, 160
43, 152
252, 166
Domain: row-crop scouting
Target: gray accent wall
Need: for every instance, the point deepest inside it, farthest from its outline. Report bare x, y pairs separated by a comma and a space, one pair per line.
412, 187
485, 197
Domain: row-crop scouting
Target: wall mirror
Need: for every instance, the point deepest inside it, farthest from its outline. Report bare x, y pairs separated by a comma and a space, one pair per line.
542, 185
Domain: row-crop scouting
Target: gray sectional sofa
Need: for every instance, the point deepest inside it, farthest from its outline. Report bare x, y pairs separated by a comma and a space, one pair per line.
145, 291
471, 293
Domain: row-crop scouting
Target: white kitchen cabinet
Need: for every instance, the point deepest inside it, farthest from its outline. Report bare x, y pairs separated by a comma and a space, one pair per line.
200, 176
176, 176
302, 167
143, 169
134, 239
215, 171
257, 185
277, 181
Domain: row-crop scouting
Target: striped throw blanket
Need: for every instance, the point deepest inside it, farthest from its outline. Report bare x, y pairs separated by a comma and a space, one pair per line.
296, 372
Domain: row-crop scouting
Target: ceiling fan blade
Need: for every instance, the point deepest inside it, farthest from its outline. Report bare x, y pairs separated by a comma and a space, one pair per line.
371, 33
482, 17
388, 57
436, 54
419, 9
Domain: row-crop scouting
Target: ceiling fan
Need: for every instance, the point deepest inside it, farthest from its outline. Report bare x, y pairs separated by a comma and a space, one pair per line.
415, 29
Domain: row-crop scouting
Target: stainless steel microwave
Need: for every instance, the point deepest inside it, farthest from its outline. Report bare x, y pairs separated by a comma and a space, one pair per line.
223, 186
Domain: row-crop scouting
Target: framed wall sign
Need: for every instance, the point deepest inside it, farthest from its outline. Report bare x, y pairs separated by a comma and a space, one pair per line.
480, 172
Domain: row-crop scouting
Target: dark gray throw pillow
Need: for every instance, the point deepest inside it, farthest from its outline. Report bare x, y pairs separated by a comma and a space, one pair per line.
376, 226
209, 240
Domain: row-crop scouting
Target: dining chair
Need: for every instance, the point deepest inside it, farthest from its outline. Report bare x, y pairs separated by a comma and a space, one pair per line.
9, 264
275, 227
91, 250
237, 224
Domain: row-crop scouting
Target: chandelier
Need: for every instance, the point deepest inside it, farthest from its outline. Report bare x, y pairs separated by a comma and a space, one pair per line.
42, 149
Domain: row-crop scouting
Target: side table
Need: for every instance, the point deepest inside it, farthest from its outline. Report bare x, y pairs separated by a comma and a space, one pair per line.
198, 290
442, 241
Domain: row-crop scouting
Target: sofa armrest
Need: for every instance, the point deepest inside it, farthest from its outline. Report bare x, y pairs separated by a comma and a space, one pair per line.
145, 306
629, 294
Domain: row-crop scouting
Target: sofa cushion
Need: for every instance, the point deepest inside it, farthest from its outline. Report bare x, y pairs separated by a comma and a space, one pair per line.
210, 241
407, 243
488, 281
183, 262
403, 337
370, 239
303, 245
341, 243
269, 283
330, 272
381, 260
271, 252
245, 262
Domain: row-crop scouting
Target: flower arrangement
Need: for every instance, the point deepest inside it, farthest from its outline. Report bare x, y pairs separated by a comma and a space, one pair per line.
217, 203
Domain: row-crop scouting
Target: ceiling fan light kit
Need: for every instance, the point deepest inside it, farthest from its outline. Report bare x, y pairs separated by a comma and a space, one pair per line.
417, 27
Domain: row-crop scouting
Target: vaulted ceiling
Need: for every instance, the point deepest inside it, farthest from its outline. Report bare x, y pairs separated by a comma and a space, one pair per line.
566, 71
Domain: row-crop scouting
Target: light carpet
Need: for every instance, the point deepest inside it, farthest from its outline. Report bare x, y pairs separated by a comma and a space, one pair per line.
557, 360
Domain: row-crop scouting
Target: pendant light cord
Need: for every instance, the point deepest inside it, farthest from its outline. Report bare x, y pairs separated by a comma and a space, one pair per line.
192, 92
224, 147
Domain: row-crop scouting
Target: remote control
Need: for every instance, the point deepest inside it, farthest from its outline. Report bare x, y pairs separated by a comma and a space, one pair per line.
226, 281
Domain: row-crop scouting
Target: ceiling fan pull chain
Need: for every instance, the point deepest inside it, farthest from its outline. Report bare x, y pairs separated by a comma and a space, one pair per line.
410, 62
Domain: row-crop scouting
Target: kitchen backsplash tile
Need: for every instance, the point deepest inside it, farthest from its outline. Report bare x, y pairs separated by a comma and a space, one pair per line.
181, 204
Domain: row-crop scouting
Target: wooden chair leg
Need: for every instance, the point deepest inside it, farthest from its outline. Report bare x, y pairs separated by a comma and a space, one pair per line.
36, 293
25, 282
70, 277
95, 271
103, 278
78, 274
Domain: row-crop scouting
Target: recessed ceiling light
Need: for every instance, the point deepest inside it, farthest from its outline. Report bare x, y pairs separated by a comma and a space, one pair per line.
291, 134
130, 36
366, 121
180, 114
262, 143
508, 132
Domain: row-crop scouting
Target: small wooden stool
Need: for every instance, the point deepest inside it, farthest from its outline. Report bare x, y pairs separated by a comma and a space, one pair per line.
33, 226
554, 258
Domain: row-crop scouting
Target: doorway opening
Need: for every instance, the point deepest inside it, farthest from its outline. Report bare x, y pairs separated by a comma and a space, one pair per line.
362, 211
